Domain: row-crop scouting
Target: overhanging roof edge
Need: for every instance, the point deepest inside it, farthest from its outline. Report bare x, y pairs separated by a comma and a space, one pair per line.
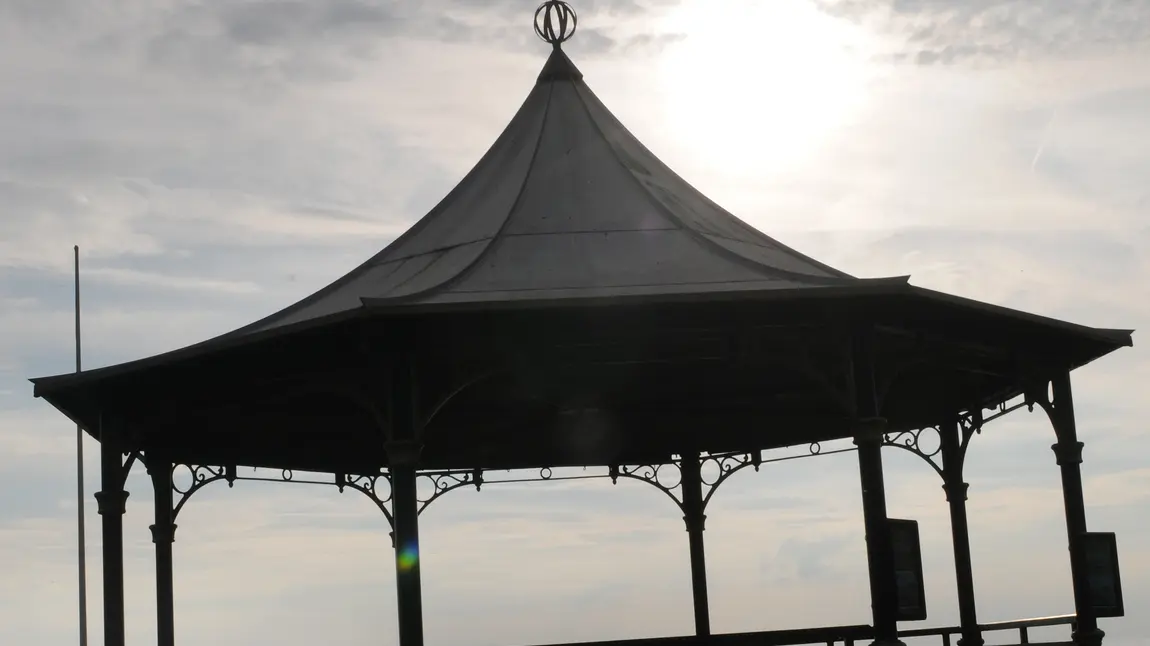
1110, 335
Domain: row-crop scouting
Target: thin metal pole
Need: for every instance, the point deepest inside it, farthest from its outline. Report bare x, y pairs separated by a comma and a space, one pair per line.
80, 547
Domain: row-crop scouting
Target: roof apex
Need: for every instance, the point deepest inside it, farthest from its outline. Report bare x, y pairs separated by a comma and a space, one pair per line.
559, 67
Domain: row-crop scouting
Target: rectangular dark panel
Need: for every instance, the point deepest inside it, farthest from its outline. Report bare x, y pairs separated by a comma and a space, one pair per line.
910, 588
1102, 577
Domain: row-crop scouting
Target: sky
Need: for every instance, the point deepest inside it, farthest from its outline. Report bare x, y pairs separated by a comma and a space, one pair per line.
216, 161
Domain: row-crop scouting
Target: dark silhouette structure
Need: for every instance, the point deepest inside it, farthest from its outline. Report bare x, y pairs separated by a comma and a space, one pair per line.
574, 302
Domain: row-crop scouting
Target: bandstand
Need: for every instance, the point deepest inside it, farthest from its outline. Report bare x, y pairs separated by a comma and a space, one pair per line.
573, 302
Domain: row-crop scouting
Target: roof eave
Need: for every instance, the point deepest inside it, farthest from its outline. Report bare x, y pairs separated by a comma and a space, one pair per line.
43, 386
1117, 337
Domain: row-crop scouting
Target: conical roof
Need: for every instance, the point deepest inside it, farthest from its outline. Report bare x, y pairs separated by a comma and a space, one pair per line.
566, 204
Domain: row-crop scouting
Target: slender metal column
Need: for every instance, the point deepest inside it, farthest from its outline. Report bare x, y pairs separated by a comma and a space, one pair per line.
955, 488
868, 437
696, 520
163, 535
405, 513
1068, 451
111, 501
403, 451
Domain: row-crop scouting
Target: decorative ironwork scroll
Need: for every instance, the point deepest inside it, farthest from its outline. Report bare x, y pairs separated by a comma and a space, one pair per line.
667, 478
200, 477
926, 443
445, 481
714, 470
370, 487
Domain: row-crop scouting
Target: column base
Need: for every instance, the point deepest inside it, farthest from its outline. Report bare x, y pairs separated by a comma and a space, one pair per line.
1088, 638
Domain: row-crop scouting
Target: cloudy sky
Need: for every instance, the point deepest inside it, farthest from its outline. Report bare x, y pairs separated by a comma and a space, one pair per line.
219, 160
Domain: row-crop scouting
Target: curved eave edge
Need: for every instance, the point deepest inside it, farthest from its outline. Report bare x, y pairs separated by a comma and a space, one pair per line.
408, 306
42, 386
1117, 337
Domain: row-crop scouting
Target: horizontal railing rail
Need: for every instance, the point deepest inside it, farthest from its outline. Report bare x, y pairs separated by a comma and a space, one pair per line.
1023, 627
828, 635
835, 635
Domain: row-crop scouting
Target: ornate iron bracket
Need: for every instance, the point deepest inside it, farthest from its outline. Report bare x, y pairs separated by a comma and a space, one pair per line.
912, 441
665, 477
714, 470
1039, 394
201, 476
376, 488
445, 481
132, 457
370, 487
969, 424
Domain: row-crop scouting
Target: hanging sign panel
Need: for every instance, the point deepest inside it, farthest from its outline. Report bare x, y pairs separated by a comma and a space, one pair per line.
909, 585
1102, 577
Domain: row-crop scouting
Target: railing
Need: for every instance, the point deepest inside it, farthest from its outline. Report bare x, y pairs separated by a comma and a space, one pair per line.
830, 635
835, 635
1023, 627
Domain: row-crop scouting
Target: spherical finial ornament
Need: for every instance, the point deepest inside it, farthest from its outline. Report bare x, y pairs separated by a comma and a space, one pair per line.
555, 21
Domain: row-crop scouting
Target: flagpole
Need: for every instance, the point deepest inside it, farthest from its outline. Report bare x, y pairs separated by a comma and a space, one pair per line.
83, 564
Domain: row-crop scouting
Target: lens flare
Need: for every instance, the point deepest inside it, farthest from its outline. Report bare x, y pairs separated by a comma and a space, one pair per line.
407, 557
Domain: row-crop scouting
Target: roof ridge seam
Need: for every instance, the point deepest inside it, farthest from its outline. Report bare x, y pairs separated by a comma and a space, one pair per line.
494, 240
451, 247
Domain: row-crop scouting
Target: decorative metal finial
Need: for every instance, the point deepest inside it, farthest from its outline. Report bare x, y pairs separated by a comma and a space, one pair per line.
555, 22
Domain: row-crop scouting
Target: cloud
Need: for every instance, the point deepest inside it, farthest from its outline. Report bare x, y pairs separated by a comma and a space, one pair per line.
997, 32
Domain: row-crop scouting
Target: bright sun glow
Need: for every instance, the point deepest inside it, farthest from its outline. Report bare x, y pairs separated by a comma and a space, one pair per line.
759, 84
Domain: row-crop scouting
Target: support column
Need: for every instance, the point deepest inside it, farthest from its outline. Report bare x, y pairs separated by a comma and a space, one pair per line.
163, 535
403, 458
111, 501
695, 520
955, 488
1068, 451
868, 436
403, 453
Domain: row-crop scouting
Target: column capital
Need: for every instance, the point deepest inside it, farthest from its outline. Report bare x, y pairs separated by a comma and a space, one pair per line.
1088, 637
956, 490
869, 429
691, 519
1068, 452
111, 502
163, 534
403, 453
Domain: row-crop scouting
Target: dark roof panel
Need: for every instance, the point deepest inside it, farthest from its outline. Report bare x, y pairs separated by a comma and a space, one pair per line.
565, 203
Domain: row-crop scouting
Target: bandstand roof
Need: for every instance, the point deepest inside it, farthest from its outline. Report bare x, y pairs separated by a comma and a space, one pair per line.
567, 232
566, 204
